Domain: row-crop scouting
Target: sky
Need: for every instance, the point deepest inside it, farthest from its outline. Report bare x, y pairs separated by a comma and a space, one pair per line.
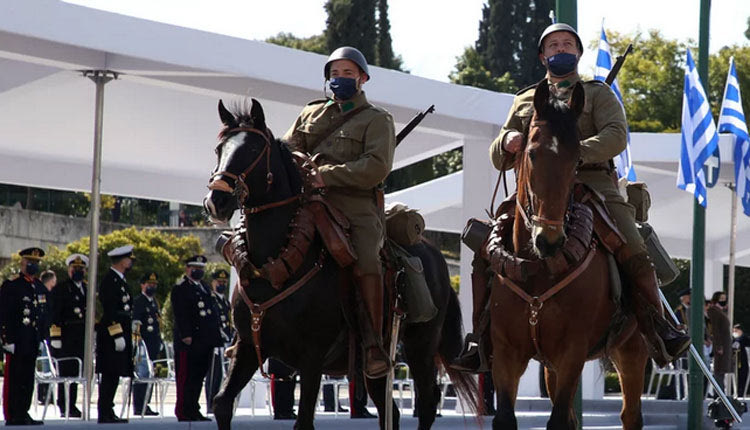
431, 34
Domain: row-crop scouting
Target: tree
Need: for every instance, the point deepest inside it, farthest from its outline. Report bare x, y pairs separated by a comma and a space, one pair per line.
316, 43
508, 36
747, 32
651, 80
718, 66
470, 71
351, 23
384, 49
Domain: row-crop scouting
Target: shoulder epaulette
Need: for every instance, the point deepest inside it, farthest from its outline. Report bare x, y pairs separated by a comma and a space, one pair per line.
532, 86
317, 102
596, 82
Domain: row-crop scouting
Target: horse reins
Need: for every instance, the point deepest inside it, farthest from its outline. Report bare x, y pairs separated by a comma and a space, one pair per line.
258, 310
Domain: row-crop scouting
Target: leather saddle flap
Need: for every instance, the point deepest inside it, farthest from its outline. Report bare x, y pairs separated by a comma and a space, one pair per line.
333, 228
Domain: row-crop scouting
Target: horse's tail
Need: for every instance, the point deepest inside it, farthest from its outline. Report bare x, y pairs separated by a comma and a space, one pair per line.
451, 343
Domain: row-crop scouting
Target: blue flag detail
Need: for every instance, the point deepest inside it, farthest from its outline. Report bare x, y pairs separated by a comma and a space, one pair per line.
699, 136
604, 63
732, 120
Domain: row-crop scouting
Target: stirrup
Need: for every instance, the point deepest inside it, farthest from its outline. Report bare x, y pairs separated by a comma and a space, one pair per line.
470, 359
377, 364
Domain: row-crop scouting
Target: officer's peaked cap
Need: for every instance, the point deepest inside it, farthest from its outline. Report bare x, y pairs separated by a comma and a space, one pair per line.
346, 53
684, 292
221, 275
196, 260
121, 252
32, 253
560, 27
149, 278
77, 260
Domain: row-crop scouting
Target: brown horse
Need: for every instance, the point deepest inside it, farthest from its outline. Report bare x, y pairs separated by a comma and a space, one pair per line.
564, 319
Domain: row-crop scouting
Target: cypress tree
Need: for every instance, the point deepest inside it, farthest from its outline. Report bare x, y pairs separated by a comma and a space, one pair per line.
352, 23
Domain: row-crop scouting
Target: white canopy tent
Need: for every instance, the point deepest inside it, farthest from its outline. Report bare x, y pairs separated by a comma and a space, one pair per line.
160, 120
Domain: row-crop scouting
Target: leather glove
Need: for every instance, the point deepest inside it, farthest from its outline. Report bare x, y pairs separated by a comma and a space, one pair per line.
57, 344
119, 344
10, 348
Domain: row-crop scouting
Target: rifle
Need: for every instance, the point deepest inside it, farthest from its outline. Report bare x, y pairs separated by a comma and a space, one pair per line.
618, 64
413, 123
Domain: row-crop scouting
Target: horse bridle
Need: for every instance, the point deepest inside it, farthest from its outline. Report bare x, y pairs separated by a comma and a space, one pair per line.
240, 189
535, 220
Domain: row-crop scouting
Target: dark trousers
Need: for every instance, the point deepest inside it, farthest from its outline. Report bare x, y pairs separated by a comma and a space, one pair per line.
18, 385
282, 396
139, 393
213, 379
108, 383
487, 389
68, 368
357, 394
191, 366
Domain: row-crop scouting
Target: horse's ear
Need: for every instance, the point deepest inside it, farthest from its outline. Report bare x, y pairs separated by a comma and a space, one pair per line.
259, 118
541, 97
577, 99
226, 117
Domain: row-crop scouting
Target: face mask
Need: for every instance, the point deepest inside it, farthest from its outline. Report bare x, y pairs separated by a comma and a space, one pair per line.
150, 291
77, 275
130, 266
220, 288
723, 303
32, 269
197, 274
562, 64
343, 88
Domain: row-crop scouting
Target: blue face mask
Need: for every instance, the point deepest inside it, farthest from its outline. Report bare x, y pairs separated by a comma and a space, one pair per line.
32, 269
150, 290
561, 64
220, 288
343, 88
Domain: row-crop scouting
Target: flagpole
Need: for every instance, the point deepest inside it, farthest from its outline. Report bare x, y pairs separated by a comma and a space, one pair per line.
732, 248
697, 264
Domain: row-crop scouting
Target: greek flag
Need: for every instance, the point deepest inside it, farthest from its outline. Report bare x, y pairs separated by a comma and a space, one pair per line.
699, 136
732, 120
604, 63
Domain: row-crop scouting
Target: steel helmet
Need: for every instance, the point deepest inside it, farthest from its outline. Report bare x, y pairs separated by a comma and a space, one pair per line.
346, 53
560, 27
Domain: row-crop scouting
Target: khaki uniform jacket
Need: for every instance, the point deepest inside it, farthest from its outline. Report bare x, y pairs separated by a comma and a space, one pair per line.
354, 160
603, 131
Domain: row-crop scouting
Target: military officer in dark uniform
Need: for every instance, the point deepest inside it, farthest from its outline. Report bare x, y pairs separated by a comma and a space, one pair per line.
19, 331
114, 343
196, 334
44, 286
146, 319
682, 311
282, 389
219, 286
68, 326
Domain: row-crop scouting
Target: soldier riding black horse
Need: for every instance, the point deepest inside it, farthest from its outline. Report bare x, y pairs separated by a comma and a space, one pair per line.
307, 330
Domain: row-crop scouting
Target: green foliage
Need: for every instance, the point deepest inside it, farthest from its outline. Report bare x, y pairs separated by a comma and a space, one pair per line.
471, 71
384, 46
316, 43
351, 23
747, 32
456, 283
651, 80
508, 36
718, 66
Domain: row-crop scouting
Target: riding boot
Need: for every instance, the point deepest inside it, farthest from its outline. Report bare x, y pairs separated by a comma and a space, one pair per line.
377, 363
665, 341
474, 356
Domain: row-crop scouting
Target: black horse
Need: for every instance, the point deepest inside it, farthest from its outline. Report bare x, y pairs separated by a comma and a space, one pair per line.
304, 329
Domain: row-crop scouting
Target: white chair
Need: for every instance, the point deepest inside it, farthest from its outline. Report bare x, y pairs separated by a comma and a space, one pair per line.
677, 369
443, 382
337, 384
47, 372
160, 384
401, 383
258, 379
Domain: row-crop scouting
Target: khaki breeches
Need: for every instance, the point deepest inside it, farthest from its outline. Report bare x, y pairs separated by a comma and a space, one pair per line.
367, 230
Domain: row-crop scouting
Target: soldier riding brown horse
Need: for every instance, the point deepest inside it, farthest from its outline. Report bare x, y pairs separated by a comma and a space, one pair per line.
552, 298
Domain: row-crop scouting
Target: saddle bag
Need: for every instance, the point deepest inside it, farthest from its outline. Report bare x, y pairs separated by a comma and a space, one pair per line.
413, 288
476, 233
333, 228
403, 225
639, 197
666, 270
